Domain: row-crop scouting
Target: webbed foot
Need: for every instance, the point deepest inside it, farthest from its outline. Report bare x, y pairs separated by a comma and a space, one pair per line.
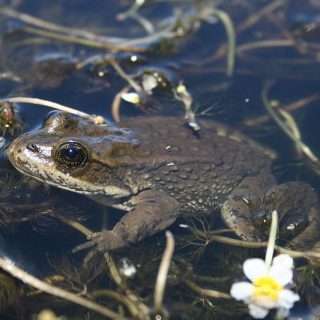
248, 213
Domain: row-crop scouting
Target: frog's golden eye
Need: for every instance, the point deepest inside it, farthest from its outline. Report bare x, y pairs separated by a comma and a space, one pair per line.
71, 154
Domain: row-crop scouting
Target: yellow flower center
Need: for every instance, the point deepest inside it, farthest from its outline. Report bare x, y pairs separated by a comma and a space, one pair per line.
266, 287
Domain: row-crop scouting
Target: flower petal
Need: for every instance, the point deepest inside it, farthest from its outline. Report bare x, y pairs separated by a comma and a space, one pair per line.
254, 268
283, 259
241, 290
257, 312
131, 97
281, 273
287, 298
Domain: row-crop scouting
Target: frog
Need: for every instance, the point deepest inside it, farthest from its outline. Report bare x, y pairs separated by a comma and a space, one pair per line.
156, 169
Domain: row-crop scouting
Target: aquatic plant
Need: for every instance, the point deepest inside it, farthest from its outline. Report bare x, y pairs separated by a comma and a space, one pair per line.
268, 288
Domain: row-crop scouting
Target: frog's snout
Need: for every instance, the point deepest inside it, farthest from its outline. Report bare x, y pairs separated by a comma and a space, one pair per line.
21, 149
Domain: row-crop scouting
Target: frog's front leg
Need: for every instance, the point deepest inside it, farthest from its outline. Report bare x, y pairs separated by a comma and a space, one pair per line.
153, 211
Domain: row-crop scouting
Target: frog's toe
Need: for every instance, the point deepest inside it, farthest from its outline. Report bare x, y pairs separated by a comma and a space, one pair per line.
105, 241
101, 241
83, 246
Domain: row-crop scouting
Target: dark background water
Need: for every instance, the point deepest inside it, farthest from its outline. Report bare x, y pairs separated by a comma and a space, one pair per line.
46, 69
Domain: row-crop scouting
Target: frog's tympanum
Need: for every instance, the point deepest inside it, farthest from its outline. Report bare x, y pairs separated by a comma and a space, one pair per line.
156, 168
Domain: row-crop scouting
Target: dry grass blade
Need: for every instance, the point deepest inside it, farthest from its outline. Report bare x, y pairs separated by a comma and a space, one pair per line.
46, 103
265, 44
207, 292
274, 5
301, 103
53, 105
231, 39
288, 125
115, 107
272, 238
310, 255
163, 273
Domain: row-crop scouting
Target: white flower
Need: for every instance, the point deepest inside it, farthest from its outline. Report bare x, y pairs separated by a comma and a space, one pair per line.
267, 288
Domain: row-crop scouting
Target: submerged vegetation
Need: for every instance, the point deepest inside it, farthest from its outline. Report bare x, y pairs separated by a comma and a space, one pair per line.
189, 55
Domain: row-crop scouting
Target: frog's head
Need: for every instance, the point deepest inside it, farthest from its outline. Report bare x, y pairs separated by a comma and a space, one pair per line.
76, 154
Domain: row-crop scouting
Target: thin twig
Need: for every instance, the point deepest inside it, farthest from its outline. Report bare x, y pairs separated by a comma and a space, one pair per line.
265, 44
266, 10
115, 274
78, 226
46, 103
206, 292
53, 105
120, 298
85, 37
252, 20
125, 76
301, 103
299, 45
82, 41
289, 127
115, 106
257, 245
163, 273
44, 24
231, 38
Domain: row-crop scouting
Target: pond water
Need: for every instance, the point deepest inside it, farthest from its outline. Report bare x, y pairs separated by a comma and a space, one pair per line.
251, 65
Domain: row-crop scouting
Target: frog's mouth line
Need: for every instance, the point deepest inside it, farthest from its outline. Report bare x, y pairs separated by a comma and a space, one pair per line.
59, 180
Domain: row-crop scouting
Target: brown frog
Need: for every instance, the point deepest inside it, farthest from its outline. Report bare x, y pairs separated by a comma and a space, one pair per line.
156, 168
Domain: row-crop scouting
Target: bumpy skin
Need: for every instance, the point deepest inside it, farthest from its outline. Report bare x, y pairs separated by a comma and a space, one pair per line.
154, 167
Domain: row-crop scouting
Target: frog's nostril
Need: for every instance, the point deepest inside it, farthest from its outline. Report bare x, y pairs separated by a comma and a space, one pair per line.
33, 148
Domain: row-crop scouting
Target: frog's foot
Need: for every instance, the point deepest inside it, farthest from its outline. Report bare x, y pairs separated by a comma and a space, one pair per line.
298, 209
248, 212
237, 210
153, 211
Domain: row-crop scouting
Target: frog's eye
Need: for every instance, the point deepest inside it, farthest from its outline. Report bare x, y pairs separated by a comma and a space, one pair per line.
71, 154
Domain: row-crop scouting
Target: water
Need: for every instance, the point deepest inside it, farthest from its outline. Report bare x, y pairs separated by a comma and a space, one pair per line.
281, 47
